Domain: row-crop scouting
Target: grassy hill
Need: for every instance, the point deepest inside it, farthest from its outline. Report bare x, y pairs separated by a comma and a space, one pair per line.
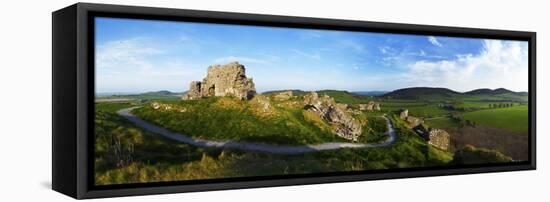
421, 93
295, 92
143, 97
126, 153
225, 118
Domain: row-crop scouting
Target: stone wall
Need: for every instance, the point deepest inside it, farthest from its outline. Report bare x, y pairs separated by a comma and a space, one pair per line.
223, 80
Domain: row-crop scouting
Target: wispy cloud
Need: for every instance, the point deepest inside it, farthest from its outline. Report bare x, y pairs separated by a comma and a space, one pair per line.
119, 53
434, 41
357, 47
387, 50
134, 64
315, 55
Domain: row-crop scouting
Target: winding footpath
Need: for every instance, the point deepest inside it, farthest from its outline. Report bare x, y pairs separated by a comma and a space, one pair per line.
276, 149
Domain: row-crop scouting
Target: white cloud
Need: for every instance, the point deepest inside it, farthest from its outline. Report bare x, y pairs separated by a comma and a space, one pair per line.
134, 64
241, 59
120, 53
434, 41
499, 64
357, 47
387, 50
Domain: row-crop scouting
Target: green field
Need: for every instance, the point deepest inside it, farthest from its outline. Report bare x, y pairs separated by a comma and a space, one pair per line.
512, 118
442, 122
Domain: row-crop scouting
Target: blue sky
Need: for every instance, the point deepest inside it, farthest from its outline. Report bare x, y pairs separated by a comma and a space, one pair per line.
147, 55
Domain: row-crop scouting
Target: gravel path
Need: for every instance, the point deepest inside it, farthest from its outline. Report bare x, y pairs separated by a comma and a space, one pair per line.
276, 149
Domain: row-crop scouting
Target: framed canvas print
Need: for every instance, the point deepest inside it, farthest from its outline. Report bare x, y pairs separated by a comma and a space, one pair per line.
154, 100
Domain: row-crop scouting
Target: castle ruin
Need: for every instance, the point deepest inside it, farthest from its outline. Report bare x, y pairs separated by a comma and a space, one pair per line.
223, 80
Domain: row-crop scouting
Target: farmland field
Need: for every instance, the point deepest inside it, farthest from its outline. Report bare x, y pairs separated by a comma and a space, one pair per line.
512, 118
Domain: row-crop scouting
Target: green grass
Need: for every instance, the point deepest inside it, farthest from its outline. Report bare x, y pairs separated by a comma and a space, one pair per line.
374, 131
471, 155
511, 118
119, 144
238, 120
443, 123
111, 107
346, 97
154, 158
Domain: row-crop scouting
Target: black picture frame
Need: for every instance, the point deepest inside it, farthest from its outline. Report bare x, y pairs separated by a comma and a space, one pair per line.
73, 99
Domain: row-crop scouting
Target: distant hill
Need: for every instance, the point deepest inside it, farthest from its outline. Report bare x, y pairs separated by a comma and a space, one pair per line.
486, 91
345, 96
369, 93
160, 93
421, 92
153, 95
295, 92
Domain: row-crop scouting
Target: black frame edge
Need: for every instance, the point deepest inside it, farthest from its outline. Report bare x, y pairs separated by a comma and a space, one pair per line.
84, 95
533, 99
64, 38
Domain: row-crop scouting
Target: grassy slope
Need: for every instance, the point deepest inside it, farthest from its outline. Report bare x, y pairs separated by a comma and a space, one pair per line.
511, 118
230, 119
471, 155
157, 159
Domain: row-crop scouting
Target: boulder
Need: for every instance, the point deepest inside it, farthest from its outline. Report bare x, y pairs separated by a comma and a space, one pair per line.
439, 138
436, 137
263, 103
414, 121
344, 124
377, 107
372, 105
223, 80
286, 95
404, 114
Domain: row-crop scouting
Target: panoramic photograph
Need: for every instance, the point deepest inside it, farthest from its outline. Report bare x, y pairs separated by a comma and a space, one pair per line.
179, 101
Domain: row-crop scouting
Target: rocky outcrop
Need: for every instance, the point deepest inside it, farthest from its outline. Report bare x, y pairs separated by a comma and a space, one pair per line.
344, 125
404, 114
411, 120
263, 104
343, 106
377, 106
223, 80
370, 106
286, 95
414, 121
439, 138
436, 137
